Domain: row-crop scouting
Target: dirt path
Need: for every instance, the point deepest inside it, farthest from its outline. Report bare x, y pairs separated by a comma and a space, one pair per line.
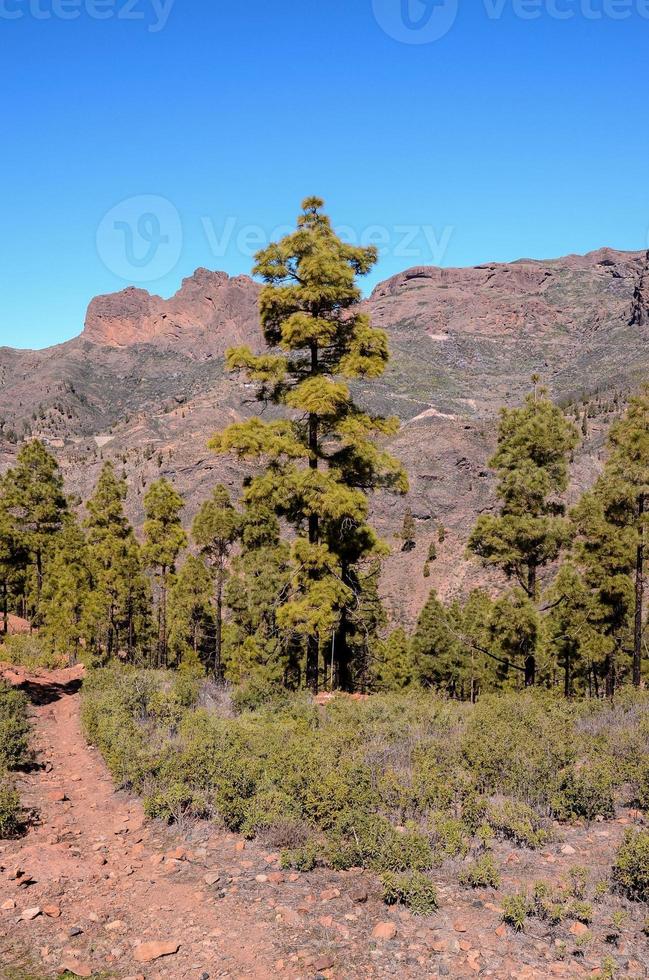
91, 857
102, 884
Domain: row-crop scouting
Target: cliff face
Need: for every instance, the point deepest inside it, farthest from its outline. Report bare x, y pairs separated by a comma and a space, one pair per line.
144, 384
209, 313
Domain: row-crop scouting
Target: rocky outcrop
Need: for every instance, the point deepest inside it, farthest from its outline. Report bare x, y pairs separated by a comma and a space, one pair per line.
210, 312
640, 304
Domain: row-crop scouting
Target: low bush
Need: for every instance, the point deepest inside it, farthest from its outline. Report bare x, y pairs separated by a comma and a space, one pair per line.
586, 792
631, 868
515, 909
29, 650
517, 822
412, 889
398, 783
14, 728
11, 813
481, 873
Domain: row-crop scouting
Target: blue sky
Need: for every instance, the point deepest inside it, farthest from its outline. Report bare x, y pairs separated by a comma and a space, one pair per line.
161, 135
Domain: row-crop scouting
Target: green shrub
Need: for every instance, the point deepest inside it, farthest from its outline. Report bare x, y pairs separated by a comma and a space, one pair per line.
515, 744
481, 873
11, 814
580, 912
586, 791
410, 888
30, 650
302, 858
515, 909
450, 838
14, 728
517, 822
631, 868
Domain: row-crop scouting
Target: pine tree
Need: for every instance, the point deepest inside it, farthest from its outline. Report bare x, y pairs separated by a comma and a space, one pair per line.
534, 444
66, 595
191, 614
13, 558
164, 539
627, 492
436, 649
408, 531
256, 650
215, 530
321, 459
35, 500
119, 604
395, 668
604, 551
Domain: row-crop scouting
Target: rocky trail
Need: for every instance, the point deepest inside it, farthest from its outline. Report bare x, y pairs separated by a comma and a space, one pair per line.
95, 890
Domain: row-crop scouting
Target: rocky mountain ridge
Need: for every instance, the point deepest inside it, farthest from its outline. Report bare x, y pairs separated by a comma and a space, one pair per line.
144, 384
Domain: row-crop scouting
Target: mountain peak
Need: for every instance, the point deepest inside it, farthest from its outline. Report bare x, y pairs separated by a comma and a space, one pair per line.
209, 312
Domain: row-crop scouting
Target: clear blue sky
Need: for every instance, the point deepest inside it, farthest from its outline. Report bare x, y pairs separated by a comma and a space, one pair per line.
516, 133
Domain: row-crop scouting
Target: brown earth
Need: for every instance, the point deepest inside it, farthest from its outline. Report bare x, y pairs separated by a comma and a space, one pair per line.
95, 889
145, 385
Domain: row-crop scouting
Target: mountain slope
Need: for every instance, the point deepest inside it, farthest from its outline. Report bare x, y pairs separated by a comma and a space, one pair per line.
145, 384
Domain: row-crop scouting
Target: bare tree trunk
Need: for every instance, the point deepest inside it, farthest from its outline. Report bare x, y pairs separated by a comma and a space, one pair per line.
5, 608
530, 660
312, 644
639, 596
218, 665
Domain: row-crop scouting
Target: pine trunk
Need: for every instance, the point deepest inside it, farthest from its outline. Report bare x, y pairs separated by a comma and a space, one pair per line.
218, 666
312, 645
639, 596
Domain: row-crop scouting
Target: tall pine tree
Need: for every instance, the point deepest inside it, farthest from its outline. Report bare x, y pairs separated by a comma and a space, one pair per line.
164, 539
321, 458
215, 529
36, 502
528, 533
120, 598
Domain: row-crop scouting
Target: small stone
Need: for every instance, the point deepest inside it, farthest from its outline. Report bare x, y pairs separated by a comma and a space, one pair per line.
460, 926
578, 929
323, 963
75, 931
261, 878
147, 952
358, 895
76, 967
211, 878
329, 894
116, 926
30, 914
568, 850
56, 796
384, 930
8, 905
52, 911
275, 877
240, 845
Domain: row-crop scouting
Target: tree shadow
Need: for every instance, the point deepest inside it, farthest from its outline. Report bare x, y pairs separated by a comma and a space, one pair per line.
41, 692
